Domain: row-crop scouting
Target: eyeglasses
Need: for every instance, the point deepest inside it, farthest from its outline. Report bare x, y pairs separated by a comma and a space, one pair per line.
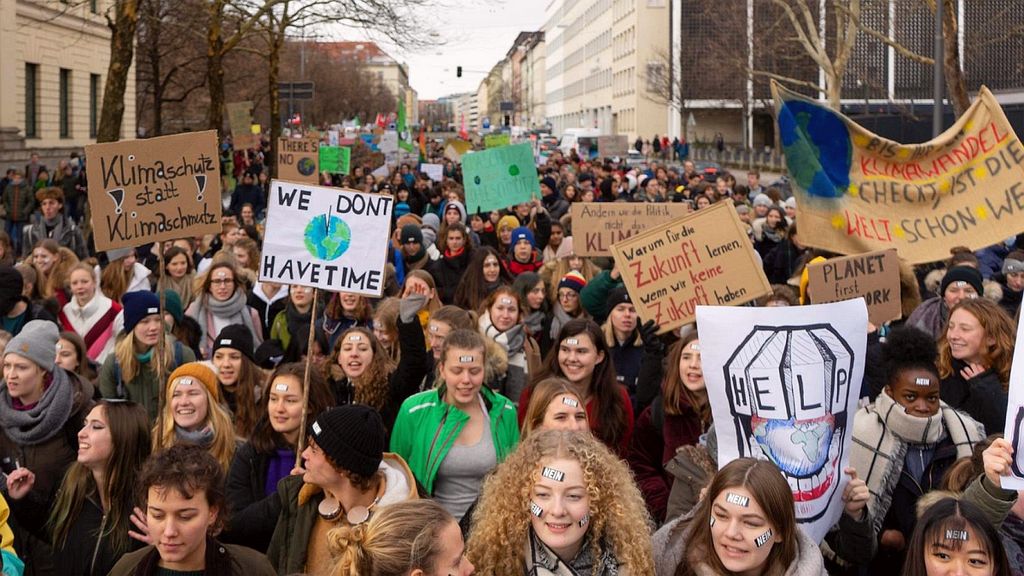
570, 295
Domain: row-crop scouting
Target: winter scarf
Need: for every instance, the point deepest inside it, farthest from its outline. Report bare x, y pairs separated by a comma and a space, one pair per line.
559, 317
44, 420
95, 323
1012, 535
541, 561
534, 322
882, 433
512, 340
234, 310
183, 286
202, 437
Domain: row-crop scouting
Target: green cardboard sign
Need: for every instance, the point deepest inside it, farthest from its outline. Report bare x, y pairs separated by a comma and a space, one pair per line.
335, 159
496, 140
500, 177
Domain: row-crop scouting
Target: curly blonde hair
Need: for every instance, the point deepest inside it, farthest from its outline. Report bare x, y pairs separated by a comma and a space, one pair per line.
618, 515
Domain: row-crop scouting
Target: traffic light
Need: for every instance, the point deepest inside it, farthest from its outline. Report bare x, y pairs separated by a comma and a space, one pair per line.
458, 71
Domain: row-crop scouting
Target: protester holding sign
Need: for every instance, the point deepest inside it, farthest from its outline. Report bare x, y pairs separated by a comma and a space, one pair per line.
975, 354
582, 515
744, 525
179, 274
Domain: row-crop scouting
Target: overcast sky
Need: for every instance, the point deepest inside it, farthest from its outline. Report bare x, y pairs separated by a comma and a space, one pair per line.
477, 35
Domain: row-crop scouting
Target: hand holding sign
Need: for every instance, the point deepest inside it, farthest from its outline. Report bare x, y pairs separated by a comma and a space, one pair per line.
997, 459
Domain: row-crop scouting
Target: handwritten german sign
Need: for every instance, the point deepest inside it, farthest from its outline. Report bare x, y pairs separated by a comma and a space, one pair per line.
240, 121
598, 225
609, 146
297, 159
500, 177
701, 259
144, 191
874, 276
330, 238
860, 192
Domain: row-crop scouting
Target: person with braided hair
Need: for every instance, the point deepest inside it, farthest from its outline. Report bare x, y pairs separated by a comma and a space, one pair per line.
413, 538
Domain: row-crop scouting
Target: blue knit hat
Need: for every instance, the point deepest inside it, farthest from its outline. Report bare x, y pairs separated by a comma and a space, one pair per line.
138, 305
521, 233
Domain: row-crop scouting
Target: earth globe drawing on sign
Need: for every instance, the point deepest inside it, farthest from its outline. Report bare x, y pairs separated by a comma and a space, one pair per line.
818, 150
306, 166
327, 237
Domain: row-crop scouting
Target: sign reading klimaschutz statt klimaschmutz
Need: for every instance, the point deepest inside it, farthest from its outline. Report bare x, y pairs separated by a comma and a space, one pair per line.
330, 238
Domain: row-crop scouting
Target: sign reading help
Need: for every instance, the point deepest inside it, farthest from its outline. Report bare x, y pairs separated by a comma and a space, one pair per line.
144, 191
297, 160
874, 276
500, 177
785, 390
329, 238
705, 258
335, 159
598, 225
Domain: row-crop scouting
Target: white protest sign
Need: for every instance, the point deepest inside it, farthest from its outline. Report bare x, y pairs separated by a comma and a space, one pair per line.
381, 172
1014, 427
434, 171
389, 142
329, 238
783, 385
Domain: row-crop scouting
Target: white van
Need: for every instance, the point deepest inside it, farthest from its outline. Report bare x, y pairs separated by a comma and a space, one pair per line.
579, 138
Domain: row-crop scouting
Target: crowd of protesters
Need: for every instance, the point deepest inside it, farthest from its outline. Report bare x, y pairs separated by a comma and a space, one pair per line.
500, 409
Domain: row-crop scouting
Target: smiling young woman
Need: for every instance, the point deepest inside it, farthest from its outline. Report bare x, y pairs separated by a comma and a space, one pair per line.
193, 414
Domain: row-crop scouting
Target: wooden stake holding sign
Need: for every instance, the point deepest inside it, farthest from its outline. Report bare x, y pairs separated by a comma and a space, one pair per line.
702, 259
305, 380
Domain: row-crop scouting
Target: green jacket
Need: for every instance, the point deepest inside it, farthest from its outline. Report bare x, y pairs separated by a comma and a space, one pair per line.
145, 387
19, 201
427, 426
594, 296
279, 330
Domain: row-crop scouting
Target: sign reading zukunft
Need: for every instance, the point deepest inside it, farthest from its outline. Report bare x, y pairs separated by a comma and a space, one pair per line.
500, 177
144, 191
330, 238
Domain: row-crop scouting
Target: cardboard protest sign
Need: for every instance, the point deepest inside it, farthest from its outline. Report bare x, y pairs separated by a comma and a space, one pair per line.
454, 149
1014, 427
496, 140
335, 159
297, 160
143, 191
434, 171
783, 383
701, 259
240, 122
609, 146
598, 225
874, 276
330, 238
389, 142
381, 172
860, 192
500, 177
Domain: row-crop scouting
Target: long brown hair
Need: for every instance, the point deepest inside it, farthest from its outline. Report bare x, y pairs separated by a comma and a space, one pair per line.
544, 392
246, 412
371, 387
264, 439
997, 325
129, 438
766, 484
675, 395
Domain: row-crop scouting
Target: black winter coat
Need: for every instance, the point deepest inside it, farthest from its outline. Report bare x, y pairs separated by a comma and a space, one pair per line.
253, 515
448, 272
981, 397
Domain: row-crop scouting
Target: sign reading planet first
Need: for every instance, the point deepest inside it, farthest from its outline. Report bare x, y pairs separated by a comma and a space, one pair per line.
331, 238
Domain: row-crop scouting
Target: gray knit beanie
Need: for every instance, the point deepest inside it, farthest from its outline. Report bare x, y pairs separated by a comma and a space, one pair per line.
37, 341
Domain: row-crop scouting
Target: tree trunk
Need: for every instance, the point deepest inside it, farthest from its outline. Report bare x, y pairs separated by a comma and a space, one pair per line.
122, 51
153, 25
274, 67
215, 66
956, 84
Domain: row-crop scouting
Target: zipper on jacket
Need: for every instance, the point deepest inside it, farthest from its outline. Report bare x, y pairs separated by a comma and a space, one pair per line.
436, 434
99, 540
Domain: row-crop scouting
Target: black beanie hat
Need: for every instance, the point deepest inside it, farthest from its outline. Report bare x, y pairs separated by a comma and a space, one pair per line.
352, 437
617, 295
236, 337
411, 233
11, 284
963, 274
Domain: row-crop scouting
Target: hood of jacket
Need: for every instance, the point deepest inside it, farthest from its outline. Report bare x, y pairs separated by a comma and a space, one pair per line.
399, 482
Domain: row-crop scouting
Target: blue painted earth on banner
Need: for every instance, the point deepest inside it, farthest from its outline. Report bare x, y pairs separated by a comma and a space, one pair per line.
817, 145
327, 239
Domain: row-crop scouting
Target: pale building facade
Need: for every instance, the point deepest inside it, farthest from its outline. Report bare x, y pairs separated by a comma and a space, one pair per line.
53, 61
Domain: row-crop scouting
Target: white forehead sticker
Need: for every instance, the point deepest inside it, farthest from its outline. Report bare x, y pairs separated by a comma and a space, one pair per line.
737, 499
316, 428
763, 538
186, 381
956, 535
355, 337
281, 387
536, 510
572, 341
695, 347
221, 273
465, 359
570, 402
959, 283
551, 473
225, 342
923, 382
506, 301
152, 310
585, 520
433, 328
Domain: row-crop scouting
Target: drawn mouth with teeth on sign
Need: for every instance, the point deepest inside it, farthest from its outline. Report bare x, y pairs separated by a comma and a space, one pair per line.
788, 388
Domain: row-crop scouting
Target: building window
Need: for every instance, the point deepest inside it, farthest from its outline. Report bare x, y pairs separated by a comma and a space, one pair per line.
65, 103
93, 6
31, 100
94, 104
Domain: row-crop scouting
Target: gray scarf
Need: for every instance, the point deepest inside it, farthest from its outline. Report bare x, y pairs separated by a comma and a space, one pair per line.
559, 317
202, 437
541, 561
44, 420
235, 310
